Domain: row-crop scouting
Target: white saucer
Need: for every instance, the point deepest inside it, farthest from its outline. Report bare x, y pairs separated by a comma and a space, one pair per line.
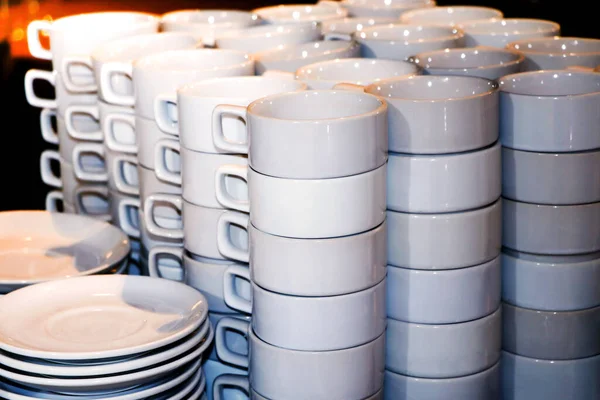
38, 246
100, 316
168, 384
107, 384
42, 367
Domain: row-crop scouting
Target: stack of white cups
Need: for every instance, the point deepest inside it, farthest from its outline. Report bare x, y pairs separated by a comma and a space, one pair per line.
72, 41
316, 179
113, 63
157, 77
209, 190
444, 229
551, 234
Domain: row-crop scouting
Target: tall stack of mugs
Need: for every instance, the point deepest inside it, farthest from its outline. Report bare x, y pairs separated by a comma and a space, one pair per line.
551, 233
76, 90
317, 246
209, 191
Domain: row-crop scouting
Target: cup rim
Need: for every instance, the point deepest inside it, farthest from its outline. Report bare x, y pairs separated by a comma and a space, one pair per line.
520, 58
513, 46
190, 89
493, 87
381, 108
454, 33
590, 74
474, 27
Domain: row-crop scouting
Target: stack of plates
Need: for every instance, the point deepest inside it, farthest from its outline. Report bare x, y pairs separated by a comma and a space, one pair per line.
103, 337
38, 246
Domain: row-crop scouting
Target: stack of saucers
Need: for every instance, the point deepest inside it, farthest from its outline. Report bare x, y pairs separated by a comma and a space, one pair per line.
39, 246
103, 337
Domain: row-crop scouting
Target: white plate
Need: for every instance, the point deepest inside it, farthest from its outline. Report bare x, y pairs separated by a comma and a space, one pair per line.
194, 389
114, 383
169, 383
38, 246
100, 316
42, 367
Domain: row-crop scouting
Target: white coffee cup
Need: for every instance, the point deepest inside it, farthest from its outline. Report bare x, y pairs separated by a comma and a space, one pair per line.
500, 32
313, 208
164, 73
311, 323
451, 15
208, 182
295, 13
359, 71
74, 38
265, 37
196, 102
112, 62
205, 25
342, 134
401, 41
308, 267
204, 274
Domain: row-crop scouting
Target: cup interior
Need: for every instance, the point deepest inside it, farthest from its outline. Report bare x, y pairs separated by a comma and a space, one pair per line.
251, 87
357, 70
425, 87
466, 58
407, 33
551, 83
315, 105
558, 45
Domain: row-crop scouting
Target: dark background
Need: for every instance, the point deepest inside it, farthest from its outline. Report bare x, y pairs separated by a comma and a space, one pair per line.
21, 142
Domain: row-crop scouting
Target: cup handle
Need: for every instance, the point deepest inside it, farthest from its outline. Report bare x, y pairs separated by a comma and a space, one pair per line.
154, 256
219, 139
228, 249
33, 39
90, 110
127, 225
110, 95
48, 176
33, 100
229, 380
48, 132
223, 197
273, 73
52, 200
119, 175
71, 86
109, 133
231, 297
151, 225
161, 113
80, 207
349, 86
80, 173
160, 161
223, 352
